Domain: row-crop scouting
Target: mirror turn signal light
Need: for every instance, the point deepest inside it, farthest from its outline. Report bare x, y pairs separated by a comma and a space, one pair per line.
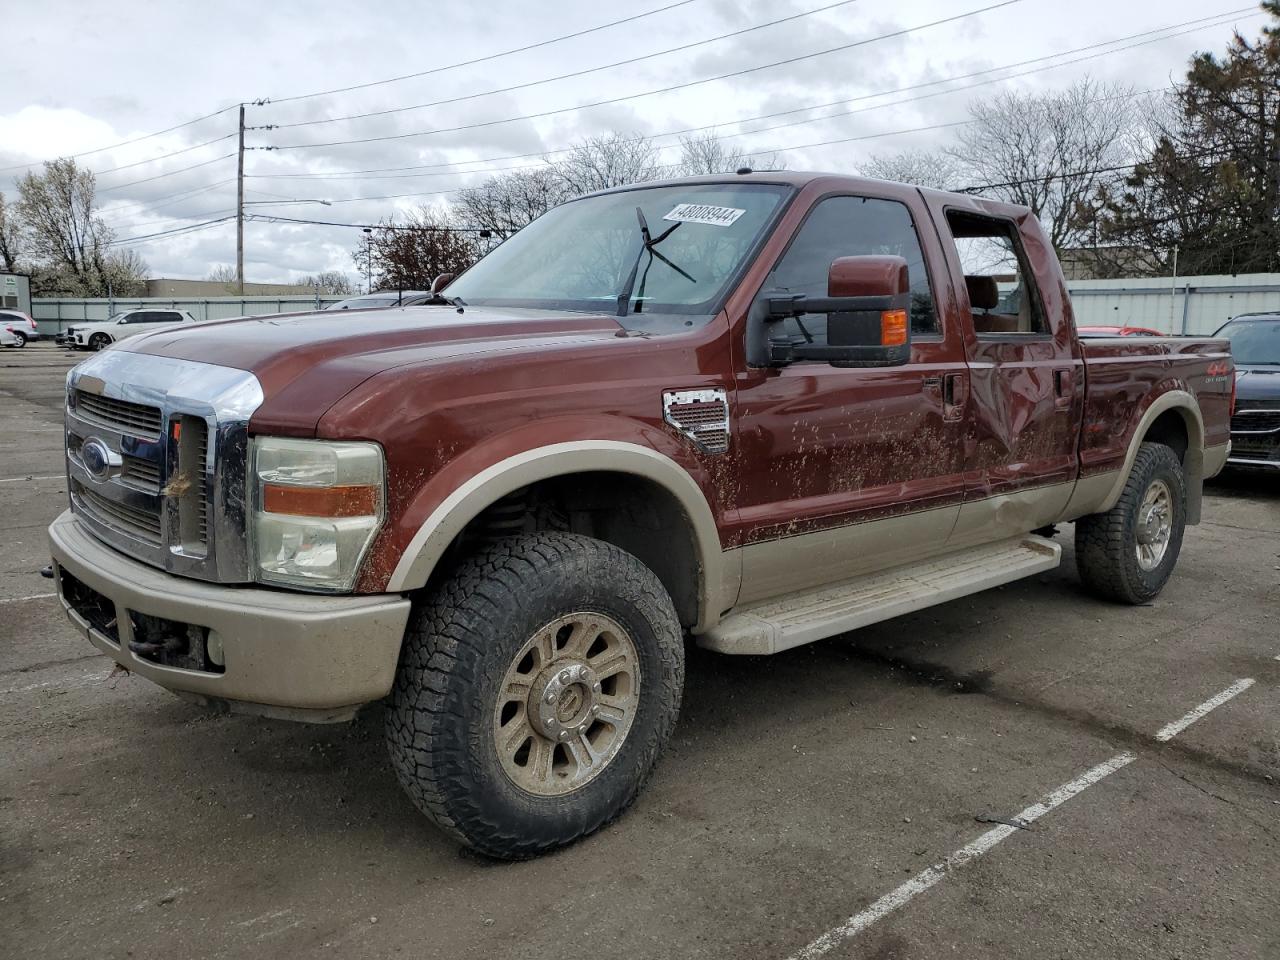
348, 501
893, 328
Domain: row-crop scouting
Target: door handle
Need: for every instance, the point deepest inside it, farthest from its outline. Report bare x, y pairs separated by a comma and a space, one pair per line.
1063, 390
955, 392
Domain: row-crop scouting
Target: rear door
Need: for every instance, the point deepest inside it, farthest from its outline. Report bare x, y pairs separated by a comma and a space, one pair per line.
845, 470
1026, 371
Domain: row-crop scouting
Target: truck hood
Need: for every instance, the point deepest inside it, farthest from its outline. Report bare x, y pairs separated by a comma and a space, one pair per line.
1260, 382
307, 362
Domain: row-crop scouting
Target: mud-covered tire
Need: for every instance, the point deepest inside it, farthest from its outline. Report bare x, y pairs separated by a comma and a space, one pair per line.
460, 644
1107, 544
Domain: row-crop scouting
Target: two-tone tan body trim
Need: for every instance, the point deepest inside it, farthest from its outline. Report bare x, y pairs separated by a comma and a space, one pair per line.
719, 572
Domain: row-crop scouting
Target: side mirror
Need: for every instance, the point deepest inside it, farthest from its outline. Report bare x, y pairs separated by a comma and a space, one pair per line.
868, 307
442, 281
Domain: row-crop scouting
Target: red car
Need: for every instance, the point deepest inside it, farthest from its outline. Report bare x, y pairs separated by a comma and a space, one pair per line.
1117, 332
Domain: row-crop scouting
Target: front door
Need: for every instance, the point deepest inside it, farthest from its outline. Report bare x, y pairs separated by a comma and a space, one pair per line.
1027, 374
847, 470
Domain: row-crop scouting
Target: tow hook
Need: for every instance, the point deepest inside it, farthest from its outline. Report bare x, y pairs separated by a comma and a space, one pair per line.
145, 648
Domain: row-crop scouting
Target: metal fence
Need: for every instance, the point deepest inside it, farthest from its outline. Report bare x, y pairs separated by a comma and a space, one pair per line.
52, 315
1196, 306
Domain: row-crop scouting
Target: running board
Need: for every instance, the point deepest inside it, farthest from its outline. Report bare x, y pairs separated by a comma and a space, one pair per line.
799, 618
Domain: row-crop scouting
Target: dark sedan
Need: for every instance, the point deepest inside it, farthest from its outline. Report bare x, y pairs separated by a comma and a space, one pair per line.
1255, 427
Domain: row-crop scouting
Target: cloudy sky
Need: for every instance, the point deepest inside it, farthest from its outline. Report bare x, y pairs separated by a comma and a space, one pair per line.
79, 77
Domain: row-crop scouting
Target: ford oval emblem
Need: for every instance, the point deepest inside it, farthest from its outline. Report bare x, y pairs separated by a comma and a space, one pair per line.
98, 459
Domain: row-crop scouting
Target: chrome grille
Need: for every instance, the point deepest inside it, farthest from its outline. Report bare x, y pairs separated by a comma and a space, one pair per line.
141, 473
1255, 421
171, 492
135, 418
142, 524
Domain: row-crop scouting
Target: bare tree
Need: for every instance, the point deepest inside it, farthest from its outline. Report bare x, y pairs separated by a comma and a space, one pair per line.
1052, 152
10, 236
938, 171
410, 256
613, 160
225, 274
65, 234
333, 282
123, 273
708, 154
508, 202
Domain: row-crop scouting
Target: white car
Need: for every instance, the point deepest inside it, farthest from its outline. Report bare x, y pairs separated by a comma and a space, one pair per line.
99, 336
7, 339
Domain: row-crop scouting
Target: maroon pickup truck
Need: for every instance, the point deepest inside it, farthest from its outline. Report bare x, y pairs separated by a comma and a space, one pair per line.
757, 410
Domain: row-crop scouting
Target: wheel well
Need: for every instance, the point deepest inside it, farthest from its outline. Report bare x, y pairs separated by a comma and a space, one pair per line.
630, 512
1170, 429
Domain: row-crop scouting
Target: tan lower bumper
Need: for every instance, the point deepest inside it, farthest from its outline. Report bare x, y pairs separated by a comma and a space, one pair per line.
288, 654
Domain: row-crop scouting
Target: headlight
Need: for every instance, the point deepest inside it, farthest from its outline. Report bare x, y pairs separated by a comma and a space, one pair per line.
317, 506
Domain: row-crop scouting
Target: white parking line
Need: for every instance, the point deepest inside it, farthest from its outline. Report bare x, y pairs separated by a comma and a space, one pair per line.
929, 877
52, 476
1171, 730
34, 596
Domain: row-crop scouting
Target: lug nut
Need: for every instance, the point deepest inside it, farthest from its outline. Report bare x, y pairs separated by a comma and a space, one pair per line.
551, 696
596, 686
595, 710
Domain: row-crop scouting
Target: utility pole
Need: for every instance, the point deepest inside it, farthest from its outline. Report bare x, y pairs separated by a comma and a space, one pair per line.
368, 260
240, 209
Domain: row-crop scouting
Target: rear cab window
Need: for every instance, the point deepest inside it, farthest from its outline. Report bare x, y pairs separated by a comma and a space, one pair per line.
1003, 298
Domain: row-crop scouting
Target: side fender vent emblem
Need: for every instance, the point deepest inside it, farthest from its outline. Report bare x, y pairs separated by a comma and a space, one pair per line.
701, 415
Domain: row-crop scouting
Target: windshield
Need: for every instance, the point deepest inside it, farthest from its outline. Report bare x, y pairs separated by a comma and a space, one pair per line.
1253, 341
583, 254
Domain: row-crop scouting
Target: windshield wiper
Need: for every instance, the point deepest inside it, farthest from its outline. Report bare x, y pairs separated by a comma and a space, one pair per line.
650, 241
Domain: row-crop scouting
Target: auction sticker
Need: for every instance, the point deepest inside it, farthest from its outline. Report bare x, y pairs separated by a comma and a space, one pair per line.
704, 213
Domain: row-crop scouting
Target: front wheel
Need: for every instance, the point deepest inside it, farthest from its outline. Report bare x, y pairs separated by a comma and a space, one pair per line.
99, 341
1129, 552
536, 687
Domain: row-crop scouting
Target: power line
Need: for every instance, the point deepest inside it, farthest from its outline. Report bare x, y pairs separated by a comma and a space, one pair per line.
484, 59
568, 76
679, 86
170, 233
164, 156
122, 143
1162, 30
272, 218
1195, 24
161, 176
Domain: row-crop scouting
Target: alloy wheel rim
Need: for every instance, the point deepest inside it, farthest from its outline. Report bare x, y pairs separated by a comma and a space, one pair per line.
567, 702
1154, 526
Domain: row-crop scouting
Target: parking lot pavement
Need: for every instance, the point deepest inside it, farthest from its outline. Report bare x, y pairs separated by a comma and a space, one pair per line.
801, 796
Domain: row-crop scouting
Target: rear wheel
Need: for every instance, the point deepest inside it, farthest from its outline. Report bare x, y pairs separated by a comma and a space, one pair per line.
1129, 552
99, 341
536, 688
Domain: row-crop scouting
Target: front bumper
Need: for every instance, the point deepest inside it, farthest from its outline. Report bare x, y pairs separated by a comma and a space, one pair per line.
286, 654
